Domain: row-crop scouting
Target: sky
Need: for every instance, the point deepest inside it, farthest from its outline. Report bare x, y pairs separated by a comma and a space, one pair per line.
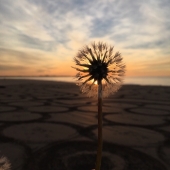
41, 37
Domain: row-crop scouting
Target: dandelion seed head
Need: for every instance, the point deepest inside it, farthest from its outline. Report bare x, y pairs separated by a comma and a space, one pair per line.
97, 63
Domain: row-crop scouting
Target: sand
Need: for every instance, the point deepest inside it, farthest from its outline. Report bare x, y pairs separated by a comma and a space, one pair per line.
51, 125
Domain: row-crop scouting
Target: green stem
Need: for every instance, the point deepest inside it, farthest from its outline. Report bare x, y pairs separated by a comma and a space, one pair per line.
100, 139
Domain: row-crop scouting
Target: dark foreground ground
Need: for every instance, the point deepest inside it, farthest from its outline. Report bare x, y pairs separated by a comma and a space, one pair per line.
51, 126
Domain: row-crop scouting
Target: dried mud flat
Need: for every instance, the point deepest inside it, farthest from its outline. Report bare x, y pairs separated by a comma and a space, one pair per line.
51, 126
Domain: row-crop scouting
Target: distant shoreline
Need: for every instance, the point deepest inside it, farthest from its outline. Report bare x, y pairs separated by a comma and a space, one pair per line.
4, 82
74, 76
155, 81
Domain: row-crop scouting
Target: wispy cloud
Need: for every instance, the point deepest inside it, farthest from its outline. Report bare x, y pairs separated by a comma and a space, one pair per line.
9, 56
57, 29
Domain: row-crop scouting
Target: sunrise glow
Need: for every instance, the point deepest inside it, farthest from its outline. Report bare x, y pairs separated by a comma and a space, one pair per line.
40, 38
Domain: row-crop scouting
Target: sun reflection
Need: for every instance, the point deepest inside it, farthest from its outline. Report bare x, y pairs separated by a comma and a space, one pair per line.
95, 82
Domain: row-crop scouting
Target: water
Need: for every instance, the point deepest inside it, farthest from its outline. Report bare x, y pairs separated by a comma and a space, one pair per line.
161, 81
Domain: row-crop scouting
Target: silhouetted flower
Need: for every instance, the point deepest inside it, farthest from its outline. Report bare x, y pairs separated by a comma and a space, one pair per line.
4, 163
97, 63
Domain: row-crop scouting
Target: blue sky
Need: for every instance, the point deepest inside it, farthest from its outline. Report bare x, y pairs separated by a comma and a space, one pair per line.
41, 37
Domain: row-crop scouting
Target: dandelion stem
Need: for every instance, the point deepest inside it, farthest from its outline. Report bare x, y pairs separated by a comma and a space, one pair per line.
100, 116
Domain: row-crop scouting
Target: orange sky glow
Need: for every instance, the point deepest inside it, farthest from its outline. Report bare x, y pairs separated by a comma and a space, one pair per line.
42, 38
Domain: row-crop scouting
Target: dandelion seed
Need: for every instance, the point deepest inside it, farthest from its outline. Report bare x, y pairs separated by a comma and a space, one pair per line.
98, 63
4, 163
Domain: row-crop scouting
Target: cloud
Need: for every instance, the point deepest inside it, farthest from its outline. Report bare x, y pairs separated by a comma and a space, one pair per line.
36, 43
13, 62
29, 27
57, 29
26, 60
10, 57
12, 67
161, 44
134, 24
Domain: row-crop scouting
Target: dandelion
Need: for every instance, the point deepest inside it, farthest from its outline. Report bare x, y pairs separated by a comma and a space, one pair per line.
4, 163
100, 73
97, 64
